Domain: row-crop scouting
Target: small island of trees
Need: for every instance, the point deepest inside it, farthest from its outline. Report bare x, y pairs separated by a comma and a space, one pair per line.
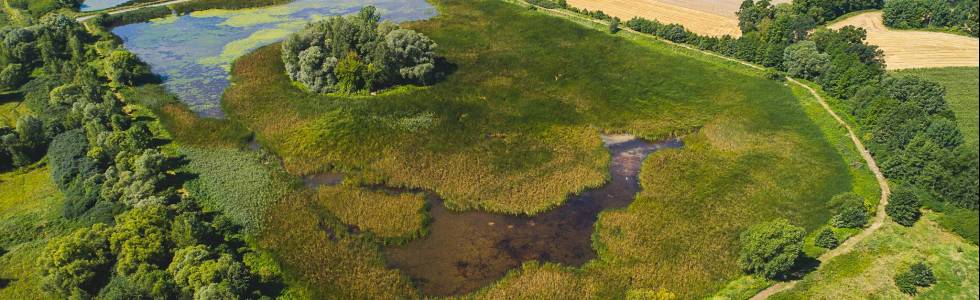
358, 53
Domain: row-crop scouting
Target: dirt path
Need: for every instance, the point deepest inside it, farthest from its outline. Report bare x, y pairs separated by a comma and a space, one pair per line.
879, 216
915, 48
129, 9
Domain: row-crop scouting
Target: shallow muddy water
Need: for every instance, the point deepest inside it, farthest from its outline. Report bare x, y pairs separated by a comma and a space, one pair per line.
193, 53
468, 250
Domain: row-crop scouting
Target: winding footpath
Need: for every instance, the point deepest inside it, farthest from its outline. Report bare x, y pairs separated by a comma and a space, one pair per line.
846, 246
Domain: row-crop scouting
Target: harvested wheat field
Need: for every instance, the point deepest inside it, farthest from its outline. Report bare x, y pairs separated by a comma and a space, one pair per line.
707, 17
905, 49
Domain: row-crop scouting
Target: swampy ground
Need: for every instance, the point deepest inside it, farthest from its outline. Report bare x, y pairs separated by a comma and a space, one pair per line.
514, 129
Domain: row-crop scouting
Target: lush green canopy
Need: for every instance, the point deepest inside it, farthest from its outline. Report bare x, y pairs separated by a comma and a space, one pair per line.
357, 53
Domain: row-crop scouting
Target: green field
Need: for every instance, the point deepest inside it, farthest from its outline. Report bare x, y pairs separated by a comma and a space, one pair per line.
30, 215
10, 110
515, 128
962, 92
867, 271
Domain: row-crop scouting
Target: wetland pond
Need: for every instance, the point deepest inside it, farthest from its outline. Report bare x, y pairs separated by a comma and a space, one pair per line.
193, 53
465, 251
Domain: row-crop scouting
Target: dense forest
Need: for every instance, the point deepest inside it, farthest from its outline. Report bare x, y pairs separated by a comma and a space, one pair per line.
956, 15
145, 238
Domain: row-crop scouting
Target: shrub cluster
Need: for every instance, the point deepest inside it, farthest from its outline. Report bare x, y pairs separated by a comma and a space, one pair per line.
903, 206
827, 239
350, 54
918, 275
958, 15
849, 211
770, 248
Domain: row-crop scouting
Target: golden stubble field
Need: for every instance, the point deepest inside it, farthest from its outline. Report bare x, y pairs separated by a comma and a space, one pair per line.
707, 17
906, 49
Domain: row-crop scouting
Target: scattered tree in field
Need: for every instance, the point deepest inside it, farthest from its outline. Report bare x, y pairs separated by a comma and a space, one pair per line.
770, 248
804, 60
827, 239
614, 25
76, 266
358, 53
903, 206
918, 275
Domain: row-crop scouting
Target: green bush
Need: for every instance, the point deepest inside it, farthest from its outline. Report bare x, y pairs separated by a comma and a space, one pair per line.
849, 211
770, 248
77, 266
903, 206
827, 239
918, 275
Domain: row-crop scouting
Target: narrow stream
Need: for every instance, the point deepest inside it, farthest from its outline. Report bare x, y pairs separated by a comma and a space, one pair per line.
468, 250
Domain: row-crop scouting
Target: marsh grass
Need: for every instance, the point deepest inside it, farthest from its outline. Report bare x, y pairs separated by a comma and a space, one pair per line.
241, 184
514, 129
186, 126
323, 259
390, 216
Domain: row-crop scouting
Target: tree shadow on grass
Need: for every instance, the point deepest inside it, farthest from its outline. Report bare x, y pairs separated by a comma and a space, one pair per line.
444, 68
10, 97
804, 265
4, 283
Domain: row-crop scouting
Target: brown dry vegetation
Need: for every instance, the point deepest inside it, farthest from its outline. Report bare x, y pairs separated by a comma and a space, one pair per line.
706, 17
906, 49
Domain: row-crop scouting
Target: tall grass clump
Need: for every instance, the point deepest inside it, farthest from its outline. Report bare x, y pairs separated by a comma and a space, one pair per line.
242, 185
397, 217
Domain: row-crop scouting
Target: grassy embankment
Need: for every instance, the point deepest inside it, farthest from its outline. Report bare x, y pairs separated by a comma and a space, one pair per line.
515, 129
868, 271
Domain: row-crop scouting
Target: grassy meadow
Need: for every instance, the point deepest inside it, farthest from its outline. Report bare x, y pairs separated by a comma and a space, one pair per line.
514, 129
30, 211
11, 108
868, 271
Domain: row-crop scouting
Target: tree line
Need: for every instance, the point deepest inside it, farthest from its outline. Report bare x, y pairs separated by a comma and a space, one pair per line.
955, 15
145, 239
